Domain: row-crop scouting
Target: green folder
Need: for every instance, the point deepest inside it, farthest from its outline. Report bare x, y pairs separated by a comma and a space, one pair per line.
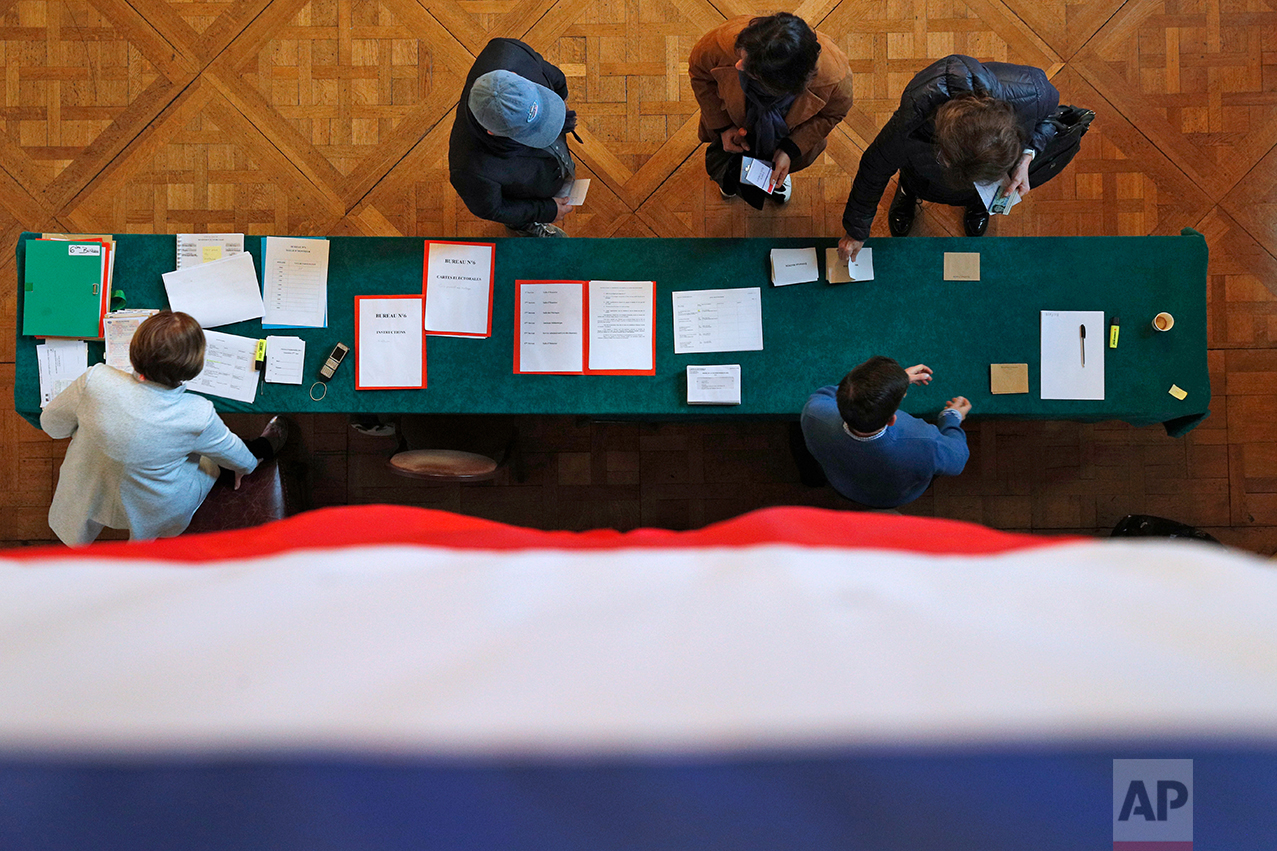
63, 289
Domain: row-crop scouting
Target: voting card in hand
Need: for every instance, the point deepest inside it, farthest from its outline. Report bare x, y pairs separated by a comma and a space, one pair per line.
757, 173
995, 198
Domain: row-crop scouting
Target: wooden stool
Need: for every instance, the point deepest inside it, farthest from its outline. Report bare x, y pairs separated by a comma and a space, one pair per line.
448, 448
443, 465
262, 497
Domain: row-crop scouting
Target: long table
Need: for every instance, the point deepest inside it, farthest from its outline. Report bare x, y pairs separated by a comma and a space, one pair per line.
812, 333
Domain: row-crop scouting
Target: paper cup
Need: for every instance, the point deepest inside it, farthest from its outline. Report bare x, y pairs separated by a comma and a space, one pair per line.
1163, 322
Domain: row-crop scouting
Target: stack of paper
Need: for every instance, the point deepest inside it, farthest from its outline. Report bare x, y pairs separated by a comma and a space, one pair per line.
713, 385
559, 322
295, 282
285, 360
839, 271
390, 342
196, 248
794, 266
216, 293
67, 286
60, 362
118, 329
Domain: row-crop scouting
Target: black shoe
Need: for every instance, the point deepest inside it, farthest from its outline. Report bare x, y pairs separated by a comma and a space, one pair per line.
976, 219
903, 210
276, 434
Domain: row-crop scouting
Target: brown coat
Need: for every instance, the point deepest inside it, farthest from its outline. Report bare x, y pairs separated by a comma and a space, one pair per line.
814, 113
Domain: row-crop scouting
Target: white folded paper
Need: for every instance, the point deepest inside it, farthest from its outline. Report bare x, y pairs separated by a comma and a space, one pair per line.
216, 293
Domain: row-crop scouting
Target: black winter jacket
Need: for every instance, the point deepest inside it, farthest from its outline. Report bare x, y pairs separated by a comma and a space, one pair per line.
498, 178
906, 142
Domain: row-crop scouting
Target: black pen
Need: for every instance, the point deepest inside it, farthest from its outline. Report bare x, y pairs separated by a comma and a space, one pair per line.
1081, 338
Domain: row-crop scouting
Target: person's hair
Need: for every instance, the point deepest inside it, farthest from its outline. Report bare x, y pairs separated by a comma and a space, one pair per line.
168, 348
780, 52
871, 393
978, 140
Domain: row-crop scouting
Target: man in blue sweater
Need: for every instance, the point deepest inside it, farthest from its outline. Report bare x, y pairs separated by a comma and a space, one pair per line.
873, 453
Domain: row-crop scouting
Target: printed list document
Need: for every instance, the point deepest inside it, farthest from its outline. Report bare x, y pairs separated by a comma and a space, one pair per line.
60, 362
229, 367
458, 288
216, 293
550, 327
390, 343
196, 248
622, 326
117, 331
285, 358
1073, 359
295, 282
718, 321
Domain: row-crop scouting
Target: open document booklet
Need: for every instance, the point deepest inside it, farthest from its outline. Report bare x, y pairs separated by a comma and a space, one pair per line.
576, 328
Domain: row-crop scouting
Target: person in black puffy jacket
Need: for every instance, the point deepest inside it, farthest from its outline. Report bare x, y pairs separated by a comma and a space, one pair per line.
508, 157
960, 121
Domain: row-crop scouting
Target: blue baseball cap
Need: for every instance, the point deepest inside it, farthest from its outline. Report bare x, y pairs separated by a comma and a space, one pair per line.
517, 108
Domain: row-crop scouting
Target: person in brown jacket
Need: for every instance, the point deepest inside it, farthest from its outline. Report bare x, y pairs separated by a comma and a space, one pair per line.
772, 88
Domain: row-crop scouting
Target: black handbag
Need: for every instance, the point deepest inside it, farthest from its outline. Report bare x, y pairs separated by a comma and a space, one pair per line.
1071, 124
1148, 526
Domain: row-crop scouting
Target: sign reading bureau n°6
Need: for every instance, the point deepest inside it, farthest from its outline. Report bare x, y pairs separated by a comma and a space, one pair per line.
1152, 805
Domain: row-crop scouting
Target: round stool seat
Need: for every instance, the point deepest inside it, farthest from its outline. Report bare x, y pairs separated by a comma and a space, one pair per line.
442, 464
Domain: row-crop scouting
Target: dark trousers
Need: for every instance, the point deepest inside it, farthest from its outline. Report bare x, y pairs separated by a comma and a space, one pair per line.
724, 169
260, 447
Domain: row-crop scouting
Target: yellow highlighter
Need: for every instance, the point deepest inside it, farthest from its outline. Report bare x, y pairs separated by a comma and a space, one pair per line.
1114, 327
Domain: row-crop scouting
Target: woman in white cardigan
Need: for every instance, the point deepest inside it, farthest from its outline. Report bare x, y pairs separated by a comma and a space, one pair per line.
144, 453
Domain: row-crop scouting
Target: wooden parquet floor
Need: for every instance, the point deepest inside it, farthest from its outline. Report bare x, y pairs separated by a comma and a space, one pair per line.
332, 116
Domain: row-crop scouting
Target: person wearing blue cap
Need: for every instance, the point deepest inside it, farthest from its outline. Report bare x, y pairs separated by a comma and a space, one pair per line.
508, 157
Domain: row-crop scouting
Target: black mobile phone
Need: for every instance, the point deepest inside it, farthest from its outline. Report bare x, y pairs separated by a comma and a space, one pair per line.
334, 360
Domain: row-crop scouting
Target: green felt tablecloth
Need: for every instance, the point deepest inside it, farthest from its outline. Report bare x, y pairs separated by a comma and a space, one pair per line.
812, 333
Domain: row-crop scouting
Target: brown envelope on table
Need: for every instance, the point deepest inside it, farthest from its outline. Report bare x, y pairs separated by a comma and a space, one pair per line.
1008, 378
962, 266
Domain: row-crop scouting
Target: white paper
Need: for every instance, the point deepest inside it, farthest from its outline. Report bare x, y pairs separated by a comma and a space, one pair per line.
1063, 375
295, 282
576, 197
729, 320
285, 360
388, 343
60, 362
196, 248
228, 367
839, 271
794, 266
713, 385
757, 173
117, 331
551, 328
989, 195
459, 288
622, 324
216, 293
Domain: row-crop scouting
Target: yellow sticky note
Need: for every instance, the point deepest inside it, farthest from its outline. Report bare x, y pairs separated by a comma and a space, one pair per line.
1178, 392
211, 253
